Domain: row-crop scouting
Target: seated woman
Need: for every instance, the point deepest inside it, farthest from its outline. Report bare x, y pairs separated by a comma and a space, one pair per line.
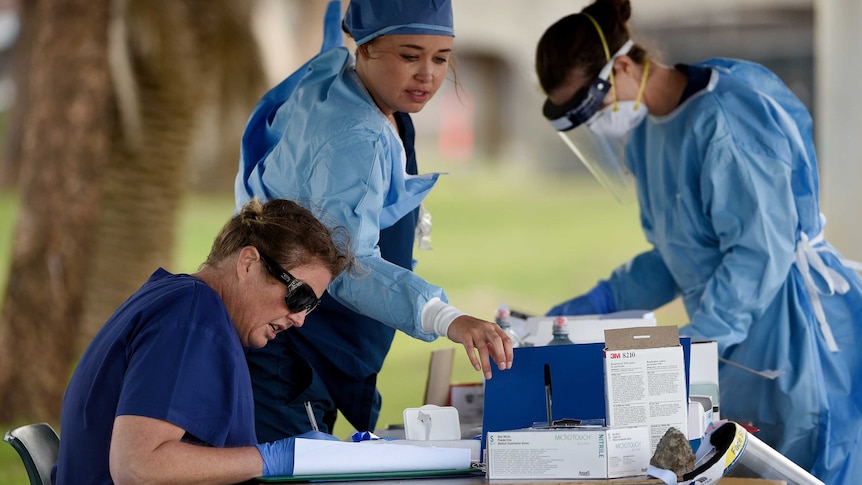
163, 393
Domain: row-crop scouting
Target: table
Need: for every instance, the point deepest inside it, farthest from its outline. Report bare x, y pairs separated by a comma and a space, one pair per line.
483, 480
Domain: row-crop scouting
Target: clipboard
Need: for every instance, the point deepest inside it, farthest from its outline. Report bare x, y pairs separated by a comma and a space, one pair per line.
342, 477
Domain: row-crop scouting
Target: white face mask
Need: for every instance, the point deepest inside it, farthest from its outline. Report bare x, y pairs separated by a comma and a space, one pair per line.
616, 124
620, 117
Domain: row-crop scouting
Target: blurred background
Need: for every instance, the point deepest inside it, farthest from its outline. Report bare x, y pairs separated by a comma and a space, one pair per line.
120, 124
496, 120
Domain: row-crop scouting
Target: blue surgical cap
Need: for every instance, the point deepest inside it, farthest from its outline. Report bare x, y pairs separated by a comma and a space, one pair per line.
367, 19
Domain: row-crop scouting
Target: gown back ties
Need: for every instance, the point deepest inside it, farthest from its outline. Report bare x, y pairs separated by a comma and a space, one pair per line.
808, 259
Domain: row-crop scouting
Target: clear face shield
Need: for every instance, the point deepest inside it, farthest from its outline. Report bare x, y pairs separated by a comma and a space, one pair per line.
601, 151
727, 450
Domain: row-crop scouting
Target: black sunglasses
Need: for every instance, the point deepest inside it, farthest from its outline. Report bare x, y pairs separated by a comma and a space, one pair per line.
299, 295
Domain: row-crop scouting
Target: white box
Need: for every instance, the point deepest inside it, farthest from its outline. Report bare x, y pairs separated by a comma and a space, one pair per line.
568, 453
432, 422
698, 420
703, 373
583, 329
645, 380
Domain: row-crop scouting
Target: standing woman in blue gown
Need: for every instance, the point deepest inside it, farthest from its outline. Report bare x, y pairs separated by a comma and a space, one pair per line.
337, 137
724, 166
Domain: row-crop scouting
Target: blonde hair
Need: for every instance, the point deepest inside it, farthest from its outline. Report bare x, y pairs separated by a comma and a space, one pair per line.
285, 231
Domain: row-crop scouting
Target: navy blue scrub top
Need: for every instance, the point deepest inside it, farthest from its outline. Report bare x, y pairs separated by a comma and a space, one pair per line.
336, 349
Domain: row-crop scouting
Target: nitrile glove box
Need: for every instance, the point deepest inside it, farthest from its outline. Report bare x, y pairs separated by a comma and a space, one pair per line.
568, 453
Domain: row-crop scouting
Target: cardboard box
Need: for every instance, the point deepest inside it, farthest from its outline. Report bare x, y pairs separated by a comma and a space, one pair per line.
568, 453
439, 377
468, 399
645, 380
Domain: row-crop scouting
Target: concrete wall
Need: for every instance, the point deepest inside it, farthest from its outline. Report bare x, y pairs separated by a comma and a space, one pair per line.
838, 124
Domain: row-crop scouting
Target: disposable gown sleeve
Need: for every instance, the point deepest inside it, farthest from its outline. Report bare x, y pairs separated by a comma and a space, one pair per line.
643, 283
349, 186
747, 190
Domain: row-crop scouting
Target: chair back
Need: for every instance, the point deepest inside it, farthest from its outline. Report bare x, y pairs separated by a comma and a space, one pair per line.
38, 446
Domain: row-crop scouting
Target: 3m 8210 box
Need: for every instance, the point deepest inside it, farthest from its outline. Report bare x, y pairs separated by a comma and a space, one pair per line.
568, 453
645, 380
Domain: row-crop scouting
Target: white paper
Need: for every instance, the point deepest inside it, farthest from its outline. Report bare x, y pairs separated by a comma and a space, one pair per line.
324, 457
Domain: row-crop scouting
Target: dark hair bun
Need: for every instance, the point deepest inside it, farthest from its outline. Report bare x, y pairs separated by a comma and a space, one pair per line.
622, 9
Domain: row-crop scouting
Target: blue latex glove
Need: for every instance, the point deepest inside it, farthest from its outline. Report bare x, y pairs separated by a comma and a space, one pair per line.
599, 300
278, 455
363, 436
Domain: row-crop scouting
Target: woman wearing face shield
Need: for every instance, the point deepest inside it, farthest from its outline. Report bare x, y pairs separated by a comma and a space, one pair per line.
337, 137
723, 160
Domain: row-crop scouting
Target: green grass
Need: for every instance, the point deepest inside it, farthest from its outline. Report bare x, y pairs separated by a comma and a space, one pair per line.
526, 241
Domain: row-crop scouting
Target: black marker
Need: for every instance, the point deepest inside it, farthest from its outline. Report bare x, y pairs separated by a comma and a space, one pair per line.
548, 393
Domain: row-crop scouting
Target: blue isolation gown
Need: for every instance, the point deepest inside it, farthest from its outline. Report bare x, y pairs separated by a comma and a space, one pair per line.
331, 149
319, 139
728, 191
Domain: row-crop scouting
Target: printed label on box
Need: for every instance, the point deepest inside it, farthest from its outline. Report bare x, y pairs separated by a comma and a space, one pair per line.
568, 453
645, 380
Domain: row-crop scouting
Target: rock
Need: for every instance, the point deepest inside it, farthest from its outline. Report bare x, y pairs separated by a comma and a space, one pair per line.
674, 453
